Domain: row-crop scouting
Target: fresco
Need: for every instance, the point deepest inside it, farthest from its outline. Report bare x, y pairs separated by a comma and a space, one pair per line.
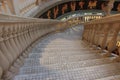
61, 9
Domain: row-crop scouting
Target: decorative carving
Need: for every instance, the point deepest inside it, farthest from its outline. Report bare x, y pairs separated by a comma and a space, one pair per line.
73, 6
64, 8
107, 7
118, 7
56, 12
81, 4
92, 4
49, 14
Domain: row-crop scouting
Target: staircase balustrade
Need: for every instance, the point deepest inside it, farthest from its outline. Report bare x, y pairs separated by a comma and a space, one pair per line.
18, 36
103, 34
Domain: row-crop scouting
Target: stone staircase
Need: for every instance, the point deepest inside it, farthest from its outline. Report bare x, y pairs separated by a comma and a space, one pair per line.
61, 56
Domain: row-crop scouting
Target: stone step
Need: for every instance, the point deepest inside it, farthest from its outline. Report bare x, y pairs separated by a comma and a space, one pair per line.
87, 73
61, 47
115, 77
61, 41
64, 66
55, 53
61, 59
67, 50
60, 44
67, 57
38, 50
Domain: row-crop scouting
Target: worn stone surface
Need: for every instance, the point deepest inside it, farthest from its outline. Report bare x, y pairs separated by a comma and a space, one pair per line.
61, 56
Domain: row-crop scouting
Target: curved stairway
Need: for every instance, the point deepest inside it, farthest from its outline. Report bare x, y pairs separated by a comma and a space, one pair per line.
63, 56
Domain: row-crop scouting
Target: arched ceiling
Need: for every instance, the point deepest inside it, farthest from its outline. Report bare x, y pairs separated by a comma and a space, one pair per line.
71, 5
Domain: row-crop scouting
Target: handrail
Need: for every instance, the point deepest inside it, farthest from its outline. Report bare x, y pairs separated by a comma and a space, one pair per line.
14, 17
103, 33
112, 18
17, 37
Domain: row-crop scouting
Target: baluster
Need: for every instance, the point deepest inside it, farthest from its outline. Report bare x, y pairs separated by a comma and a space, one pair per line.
112, 42
106, 32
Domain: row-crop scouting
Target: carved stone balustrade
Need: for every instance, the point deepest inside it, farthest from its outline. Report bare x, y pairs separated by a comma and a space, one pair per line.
103, 33
17, 37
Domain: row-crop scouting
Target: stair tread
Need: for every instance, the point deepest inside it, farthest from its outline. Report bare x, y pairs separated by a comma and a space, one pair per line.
115, 77
64, 66
65, 53
88, 73
53, 60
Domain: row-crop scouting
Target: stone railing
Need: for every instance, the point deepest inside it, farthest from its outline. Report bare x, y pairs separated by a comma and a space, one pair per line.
104, 34
17, 37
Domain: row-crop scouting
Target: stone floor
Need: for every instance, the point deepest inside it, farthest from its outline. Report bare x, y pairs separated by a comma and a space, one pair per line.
61, 56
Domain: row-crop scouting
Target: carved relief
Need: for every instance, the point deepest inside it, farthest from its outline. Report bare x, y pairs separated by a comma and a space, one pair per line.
64, 8
49, 14
118, 7
92, 4
108, 7
81, 4
73, 6
56, 12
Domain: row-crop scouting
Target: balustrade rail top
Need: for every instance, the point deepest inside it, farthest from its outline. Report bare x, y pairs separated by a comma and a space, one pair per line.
110, 19
14, 18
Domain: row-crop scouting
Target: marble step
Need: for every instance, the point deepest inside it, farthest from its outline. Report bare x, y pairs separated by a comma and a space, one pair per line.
58, 41
87, 73
64, 53
61, 59
64, 66
115, 77
38, 50
61, 47
61, 51
39, 55
72, 57
60, 44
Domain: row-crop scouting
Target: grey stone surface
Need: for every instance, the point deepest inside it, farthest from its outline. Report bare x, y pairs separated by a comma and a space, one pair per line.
61, 56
